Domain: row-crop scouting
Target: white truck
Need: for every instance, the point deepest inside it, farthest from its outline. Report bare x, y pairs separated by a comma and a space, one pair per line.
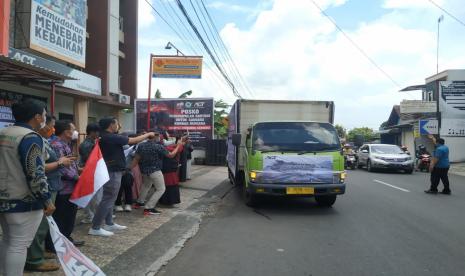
286, 148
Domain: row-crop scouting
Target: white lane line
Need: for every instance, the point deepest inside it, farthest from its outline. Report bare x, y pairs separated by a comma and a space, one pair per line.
392, 186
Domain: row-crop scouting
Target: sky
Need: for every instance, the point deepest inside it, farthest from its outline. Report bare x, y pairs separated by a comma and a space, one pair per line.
289, 50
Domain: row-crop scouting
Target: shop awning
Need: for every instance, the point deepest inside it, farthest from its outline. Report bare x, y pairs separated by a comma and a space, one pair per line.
14, 70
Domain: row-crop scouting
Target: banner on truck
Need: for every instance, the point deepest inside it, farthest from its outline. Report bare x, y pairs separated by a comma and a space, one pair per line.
58, 29
178, 116
297, 169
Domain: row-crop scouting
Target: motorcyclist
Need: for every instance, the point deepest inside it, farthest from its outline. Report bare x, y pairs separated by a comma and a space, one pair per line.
347, 150
421, 151
405, 149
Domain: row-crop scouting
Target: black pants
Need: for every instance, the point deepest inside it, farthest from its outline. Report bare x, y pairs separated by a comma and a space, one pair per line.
126, 188
64, 216
437, 175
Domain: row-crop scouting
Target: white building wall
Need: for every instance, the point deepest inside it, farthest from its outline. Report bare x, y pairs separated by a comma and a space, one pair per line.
408, 140
456, 148
113, 47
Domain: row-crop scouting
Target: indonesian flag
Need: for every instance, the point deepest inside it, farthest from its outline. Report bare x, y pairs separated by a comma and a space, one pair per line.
93, 177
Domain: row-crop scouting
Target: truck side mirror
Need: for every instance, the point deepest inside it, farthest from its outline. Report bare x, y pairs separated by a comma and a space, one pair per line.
236, 139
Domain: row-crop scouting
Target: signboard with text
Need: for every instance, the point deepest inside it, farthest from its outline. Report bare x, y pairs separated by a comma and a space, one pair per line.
7, 99
452, 107
178, 116
58, 29
429, 127
183, 67
414, 106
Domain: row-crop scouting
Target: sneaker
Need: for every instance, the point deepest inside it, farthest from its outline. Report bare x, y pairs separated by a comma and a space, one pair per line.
127, 208
445, 192
86, 221
114, 227
431, 192
100, 232
137, 205
119, 208
153, 211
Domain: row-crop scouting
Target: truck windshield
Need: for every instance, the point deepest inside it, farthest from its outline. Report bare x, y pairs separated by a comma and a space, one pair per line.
301, 137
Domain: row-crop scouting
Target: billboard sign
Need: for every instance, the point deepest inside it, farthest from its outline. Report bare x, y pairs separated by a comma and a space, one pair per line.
58, 29
179, 67
414, 106
7, 99
429, 127
452, 107
177, 116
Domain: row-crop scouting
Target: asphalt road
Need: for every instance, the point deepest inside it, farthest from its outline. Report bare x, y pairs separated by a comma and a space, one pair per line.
384, 225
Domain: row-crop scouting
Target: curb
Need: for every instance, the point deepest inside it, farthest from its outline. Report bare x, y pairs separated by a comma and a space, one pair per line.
163, 244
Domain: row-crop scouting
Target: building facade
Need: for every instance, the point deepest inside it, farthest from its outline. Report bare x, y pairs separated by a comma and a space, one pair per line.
78, 56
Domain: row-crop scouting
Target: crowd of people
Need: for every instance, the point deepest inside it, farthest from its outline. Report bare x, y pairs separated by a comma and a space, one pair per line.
40, 165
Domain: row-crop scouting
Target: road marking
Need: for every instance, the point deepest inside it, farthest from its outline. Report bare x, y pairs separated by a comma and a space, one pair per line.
392, 186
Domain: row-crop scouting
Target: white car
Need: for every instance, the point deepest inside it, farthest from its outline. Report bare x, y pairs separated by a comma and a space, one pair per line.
384, 156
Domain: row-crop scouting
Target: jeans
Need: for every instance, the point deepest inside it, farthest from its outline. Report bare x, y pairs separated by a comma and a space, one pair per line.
105, 208
18, 232
437, 175
125, 188
35, 253
154, 180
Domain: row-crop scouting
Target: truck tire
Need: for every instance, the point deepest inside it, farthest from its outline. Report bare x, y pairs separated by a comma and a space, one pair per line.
326, 201
250, 199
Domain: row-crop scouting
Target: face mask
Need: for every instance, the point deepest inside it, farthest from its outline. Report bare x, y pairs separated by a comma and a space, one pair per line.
75, 135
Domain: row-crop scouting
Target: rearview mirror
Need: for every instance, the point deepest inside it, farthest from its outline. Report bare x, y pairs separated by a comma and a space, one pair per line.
236, 139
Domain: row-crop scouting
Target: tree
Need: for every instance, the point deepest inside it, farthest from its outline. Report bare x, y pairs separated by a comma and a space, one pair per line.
341, 131
384, 125
158, 94
362, 132
220, 119
182, 96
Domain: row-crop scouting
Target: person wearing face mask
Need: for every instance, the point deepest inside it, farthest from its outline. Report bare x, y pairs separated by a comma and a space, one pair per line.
25, 197
111, 145
35, 254
65, 214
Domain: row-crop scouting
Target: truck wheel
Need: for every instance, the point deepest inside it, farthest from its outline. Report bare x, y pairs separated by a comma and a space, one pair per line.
369, 168
326, 201
250, 199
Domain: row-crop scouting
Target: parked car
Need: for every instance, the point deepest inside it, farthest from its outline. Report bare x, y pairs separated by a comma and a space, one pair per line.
384, 156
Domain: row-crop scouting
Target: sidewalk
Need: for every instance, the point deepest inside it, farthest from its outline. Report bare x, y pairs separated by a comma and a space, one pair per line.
458, 168
102, 251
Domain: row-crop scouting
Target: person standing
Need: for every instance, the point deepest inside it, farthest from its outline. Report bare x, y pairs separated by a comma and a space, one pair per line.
149, 156
111, 145
439, 168
85, 148
189, 148
36, 254
65, 214
171, 172
25, 197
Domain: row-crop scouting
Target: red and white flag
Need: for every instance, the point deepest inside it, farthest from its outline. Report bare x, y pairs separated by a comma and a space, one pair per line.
93, 177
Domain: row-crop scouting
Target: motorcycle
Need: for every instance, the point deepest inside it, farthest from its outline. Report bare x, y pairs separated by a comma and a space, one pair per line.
425, 160
350, 161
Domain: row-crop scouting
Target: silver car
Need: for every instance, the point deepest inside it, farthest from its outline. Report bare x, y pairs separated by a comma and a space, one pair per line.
384, 156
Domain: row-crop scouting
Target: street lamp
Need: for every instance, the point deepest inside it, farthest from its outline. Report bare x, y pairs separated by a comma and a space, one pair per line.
171, 45
440, 19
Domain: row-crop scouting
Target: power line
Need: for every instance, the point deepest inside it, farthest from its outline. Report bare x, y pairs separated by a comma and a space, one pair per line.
447, 12
356, 45
224, 48
199, 36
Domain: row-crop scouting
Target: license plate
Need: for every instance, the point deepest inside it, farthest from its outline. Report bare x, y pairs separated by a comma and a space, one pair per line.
300, 191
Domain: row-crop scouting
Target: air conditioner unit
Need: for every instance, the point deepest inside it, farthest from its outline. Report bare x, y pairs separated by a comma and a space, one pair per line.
124, 99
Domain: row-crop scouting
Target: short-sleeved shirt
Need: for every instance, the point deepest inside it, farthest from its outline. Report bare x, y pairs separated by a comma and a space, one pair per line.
442, 154
151, 157
111, 146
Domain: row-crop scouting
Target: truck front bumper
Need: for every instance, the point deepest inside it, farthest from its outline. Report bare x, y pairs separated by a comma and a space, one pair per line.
297, 189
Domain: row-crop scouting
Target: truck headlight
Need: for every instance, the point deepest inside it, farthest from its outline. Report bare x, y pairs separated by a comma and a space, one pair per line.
254, 175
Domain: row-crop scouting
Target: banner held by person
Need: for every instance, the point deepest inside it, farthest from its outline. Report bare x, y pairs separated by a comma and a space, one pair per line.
93, 177
71, 259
